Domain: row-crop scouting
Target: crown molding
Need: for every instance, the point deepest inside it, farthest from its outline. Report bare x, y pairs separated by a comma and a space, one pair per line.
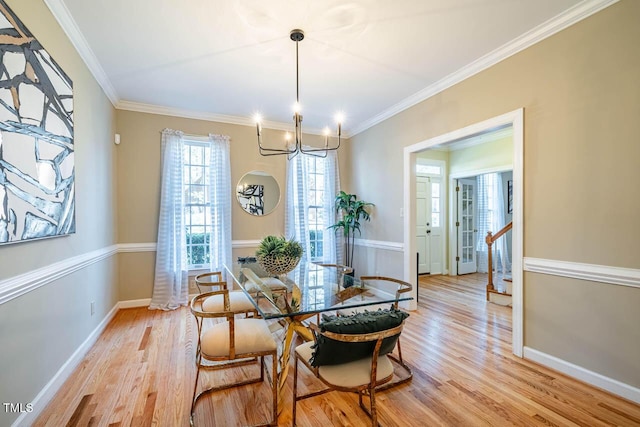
537, 34
140, 107
554, 25
69, 26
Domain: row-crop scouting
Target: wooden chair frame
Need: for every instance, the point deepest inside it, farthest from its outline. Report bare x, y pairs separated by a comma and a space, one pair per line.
233, 359
220, 283
366, 389
403, 288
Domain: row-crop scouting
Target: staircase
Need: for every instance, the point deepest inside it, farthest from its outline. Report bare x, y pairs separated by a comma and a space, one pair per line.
497, 294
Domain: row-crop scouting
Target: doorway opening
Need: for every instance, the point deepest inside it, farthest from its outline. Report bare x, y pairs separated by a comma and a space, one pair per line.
513, 121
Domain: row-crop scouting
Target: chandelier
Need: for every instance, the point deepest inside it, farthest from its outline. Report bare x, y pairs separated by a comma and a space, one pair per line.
294, 148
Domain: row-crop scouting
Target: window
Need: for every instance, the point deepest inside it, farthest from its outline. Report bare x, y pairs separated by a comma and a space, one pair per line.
424, 169
197, 210
315, 211
435, 204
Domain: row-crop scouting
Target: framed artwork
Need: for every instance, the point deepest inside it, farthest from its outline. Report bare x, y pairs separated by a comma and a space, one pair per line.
251, 198
37, 178
510, 196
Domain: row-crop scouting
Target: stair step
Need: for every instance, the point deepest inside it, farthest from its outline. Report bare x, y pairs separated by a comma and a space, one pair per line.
500, 298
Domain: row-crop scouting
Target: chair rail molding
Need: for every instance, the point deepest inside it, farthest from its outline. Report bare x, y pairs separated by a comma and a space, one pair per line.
137, 247
591, 272
380, 244
21, 284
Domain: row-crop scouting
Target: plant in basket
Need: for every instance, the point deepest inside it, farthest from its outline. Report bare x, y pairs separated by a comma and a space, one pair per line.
278, 255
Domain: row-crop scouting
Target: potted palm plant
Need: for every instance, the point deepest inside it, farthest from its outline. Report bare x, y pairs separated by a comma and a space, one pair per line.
353, 211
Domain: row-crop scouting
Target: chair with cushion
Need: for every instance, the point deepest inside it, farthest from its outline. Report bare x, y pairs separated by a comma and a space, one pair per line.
350, 354
238, 300
232, 342
402, 289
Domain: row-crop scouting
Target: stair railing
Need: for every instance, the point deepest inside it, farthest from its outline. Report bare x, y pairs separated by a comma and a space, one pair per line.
490, 240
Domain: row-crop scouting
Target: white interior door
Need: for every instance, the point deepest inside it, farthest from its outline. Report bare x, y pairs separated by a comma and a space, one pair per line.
466, 226
434, 230
423, 215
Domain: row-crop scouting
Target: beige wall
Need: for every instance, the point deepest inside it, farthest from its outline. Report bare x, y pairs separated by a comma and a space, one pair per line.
42, 329
581, 99
139, 186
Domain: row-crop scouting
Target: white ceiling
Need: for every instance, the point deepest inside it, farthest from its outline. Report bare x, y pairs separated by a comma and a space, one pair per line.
227, 60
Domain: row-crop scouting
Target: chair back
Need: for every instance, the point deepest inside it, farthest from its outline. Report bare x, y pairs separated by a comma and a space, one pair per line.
403, 287
372, 344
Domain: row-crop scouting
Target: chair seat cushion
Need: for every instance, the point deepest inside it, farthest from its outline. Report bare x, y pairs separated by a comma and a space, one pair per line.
350, 374
332, 352
238, 301
251, 336
272, 283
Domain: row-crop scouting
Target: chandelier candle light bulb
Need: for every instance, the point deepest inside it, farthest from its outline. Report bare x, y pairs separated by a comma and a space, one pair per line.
292, 150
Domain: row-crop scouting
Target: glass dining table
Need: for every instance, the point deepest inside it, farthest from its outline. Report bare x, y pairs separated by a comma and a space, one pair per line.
307, 291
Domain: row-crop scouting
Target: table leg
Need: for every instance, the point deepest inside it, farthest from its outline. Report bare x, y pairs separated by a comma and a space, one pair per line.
294, 325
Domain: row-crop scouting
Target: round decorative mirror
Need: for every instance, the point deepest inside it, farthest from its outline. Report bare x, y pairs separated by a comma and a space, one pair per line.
258, 193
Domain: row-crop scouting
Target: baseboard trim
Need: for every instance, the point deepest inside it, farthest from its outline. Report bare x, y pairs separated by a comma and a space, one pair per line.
134, 303
591, 272
53, 386
593, 378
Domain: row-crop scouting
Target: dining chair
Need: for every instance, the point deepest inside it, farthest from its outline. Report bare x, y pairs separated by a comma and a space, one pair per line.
402, 289
232, 342
352, 362
238, 300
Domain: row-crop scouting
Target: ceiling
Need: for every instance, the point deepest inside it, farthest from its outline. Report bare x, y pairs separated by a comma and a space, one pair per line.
228, 60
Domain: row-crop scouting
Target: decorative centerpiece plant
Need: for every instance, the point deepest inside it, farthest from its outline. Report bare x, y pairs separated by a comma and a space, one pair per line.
353, 211
277, 255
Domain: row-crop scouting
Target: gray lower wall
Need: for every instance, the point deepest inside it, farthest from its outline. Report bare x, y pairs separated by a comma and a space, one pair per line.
41, 330
607, 340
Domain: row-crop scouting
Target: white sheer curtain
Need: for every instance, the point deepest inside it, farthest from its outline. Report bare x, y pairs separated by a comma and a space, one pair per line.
170, 287
220, 200
333, 246
491, 217
297, 205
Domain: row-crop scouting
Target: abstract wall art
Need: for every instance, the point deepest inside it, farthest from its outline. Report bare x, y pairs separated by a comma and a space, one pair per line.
37, 178
251, 198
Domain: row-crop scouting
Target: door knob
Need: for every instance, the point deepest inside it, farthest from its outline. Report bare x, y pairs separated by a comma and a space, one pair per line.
428, 231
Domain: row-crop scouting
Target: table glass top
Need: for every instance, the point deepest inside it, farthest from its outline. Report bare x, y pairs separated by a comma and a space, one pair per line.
310, 288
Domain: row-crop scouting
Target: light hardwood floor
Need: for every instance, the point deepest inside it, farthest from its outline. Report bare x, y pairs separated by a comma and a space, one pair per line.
141, 373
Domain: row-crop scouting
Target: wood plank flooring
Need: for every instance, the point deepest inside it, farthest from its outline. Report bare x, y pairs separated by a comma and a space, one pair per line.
141, 373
